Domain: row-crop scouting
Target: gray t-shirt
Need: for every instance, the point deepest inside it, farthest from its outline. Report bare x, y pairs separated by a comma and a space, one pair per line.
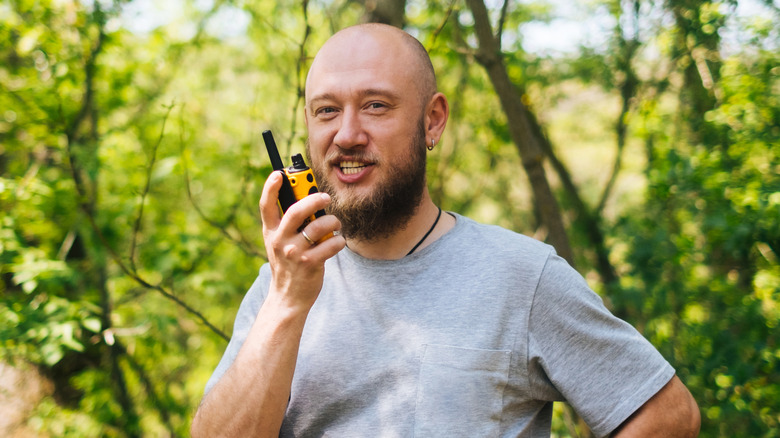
475, 335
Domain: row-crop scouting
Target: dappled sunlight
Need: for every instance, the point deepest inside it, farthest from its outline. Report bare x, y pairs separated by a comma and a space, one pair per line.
131, 165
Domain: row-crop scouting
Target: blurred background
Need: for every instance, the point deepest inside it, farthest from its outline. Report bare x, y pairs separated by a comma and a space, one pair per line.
640, 137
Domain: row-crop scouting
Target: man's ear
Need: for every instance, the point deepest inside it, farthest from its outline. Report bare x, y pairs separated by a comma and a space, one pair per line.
436, 114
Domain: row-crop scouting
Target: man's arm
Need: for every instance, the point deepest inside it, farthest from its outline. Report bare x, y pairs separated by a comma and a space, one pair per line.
671, 412
251, 397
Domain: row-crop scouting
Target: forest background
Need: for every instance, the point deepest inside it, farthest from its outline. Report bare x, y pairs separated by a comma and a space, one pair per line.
640, 137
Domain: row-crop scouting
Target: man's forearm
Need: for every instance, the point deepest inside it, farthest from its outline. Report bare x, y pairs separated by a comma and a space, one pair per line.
251, 398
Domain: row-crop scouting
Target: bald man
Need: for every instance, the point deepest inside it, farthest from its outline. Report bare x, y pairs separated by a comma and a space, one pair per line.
412, 321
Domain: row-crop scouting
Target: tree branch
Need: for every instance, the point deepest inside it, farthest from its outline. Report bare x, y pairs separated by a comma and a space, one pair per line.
146, 381
501, 22
86, 202
147, 187
628, 90
443, 22
299, 68
222, 226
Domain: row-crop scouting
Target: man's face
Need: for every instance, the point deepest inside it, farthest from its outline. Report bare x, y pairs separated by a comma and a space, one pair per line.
366, 134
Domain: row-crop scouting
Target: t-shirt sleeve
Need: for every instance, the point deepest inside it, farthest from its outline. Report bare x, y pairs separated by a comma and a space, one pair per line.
581, 353
245, 318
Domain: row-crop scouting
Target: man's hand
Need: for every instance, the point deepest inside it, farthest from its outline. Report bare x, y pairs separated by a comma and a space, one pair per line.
672, 412
296, 264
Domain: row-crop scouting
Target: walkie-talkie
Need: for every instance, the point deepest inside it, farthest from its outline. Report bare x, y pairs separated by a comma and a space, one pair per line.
298, 180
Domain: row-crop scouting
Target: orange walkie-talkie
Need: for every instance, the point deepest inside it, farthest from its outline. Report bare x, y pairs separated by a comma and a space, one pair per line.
298, 180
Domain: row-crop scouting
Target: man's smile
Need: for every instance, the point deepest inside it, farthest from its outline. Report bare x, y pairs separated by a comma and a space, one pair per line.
351, 167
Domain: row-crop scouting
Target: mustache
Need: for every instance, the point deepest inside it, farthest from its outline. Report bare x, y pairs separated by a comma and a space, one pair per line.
339, 154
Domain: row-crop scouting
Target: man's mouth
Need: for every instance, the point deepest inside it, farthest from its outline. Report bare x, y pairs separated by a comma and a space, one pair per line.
351, 167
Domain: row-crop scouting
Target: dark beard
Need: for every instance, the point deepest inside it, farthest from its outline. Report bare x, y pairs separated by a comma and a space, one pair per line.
390, 207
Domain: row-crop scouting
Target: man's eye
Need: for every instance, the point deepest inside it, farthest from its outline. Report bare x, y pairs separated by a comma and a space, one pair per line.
326, 110
376, 105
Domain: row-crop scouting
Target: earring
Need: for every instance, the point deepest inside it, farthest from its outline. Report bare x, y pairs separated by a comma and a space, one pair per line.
433, 143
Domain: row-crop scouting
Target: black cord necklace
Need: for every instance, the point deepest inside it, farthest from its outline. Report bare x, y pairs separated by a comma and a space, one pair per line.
428, 233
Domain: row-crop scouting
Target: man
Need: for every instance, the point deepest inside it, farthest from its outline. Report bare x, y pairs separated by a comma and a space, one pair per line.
427, 323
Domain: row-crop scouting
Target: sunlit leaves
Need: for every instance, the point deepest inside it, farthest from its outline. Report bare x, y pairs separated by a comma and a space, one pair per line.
707, 249
696, 239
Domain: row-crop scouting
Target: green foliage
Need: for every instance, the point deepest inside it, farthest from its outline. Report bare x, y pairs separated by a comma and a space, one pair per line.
102, 243
131, 165
704, 267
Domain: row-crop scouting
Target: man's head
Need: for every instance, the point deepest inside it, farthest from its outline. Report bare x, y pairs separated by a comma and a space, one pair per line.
371, 108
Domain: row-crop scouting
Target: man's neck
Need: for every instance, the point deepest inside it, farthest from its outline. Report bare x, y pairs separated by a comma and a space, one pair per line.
398, 244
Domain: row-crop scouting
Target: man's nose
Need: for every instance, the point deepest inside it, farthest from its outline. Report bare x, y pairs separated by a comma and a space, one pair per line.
351, 132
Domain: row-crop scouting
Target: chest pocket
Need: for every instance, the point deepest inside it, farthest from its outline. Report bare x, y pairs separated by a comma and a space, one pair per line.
460, 391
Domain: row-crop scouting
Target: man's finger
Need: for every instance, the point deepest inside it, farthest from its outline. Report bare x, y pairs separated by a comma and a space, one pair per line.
269, 209
302, 210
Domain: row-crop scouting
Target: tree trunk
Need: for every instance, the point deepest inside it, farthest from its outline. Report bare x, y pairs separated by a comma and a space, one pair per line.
588, 219
384, 11
521, 130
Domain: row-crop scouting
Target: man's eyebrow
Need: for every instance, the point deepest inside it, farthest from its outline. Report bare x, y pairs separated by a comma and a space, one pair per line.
323, 96
369, 92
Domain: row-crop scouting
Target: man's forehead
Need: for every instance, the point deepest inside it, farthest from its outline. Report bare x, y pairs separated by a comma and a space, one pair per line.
365, 70
352, 52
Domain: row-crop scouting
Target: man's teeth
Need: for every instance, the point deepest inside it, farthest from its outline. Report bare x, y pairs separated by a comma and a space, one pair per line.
351, 167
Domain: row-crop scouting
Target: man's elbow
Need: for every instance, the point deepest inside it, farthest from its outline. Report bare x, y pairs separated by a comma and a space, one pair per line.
197, 424
694, 418
688, 420
672, 412
683, 418
201, 425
